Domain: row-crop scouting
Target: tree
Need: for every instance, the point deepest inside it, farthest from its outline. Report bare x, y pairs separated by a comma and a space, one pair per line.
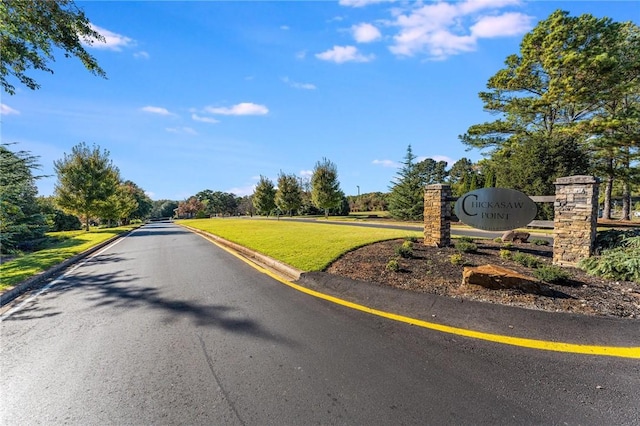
20, 216
144, 205
406, 200
57, 220
264, 196
87, 178
325, 187
190, 208
289, 194
558, 98
163, 208
30, 30
119, 206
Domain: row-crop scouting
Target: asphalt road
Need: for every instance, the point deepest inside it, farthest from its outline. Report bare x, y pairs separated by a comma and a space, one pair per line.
165, 328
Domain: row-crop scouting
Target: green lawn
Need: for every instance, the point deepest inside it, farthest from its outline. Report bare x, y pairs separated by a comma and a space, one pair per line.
70, 243
306, 246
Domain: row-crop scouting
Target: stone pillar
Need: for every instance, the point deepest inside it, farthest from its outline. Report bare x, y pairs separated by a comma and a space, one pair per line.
575, 219
437, 215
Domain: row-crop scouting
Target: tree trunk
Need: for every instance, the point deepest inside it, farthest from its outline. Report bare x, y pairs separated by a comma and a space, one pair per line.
626, 201
608, 187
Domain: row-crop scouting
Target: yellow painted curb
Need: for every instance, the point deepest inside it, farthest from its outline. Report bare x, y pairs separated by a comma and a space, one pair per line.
614, 351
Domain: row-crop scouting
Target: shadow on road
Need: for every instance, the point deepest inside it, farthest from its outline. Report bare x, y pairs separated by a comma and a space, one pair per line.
120, 290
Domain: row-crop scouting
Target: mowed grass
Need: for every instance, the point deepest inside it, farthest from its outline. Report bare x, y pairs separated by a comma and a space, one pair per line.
306, 246
69, 244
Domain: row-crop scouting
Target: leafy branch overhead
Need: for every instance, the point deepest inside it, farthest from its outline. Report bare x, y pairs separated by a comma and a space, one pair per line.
30, 30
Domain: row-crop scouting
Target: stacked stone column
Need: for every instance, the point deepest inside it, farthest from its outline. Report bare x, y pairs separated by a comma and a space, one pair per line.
575, 219
437, 215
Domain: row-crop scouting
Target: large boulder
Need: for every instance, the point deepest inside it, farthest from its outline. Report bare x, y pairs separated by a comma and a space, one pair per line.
515, 236
496, 278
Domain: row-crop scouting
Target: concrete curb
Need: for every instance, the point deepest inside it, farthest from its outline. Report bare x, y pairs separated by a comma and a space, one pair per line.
8, 295
263, 260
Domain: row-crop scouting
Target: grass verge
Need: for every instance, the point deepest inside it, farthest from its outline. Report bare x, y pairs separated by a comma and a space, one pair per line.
65, 245
306, 246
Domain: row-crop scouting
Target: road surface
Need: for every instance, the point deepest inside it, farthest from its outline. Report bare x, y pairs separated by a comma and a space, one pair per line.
163, 327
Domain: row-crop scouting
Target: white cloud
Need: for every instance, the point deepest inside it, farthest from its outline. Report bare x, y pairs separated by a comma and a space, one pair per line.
444, 158
362, 3
182, 130
301, 55
156, 110
241, 191
443, 29
244, 108
7, 110
341, 54
284, 27
306, 173
296, 85
141, 55
112, 41
508, 24
211, 120
365, 33
386, 163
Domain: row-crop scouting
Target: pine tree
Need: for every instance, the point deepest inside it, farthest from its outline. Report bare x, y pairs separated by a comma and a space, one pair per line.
264, 196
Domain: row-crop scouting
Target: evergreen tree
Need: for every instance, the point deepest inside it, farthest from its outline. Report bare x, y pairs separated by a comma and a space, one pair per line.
325, 187
289, 194
264, 196
20, 216
406, 200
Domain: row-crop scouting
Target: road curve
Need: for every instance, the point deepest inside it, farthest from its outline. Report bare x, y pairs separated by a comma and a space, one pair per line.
163, 327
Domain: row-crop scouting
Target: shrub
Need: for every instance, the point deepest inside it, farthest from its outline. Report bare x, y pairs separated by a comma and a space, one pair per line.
466, 239
551, 274
405, 250
526, 260
539, 242
466, 247
497, 240
457, 259
392, 266
412, 239
508, 244
619, 263
505, 254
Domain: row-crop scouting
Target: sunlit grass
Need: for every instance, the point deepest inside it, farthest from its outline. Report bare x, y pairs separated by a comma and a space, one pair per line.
306, 246
70, 243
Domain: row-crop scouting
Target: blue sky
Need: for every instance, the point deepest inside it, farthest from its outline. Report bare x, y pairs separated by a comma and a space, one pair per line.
211, 95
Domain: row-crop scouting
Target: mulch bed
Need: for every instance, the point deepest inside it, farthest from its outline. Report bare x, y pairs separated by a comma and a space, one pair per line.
430, 270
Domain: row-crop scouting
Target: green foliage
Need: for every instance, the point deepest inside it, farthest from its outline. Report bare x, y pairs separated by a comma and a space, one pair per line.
505, 254
392, 266
87, 179
569, 101
369, 202
289, 194
325, 187
20, 216
612, 238
30, 31
551, 274
405, 250
406, 200
411, 239
540, 242
190, 208
466, 247
218, 203
466, 239
506, 244
163, 208
457, 259
264, 196
618, 263
525, 259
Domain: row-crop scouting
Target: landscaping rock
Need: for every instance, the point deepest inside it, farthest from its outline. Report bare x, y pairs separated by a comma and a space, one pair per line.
515, 236
496, 278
